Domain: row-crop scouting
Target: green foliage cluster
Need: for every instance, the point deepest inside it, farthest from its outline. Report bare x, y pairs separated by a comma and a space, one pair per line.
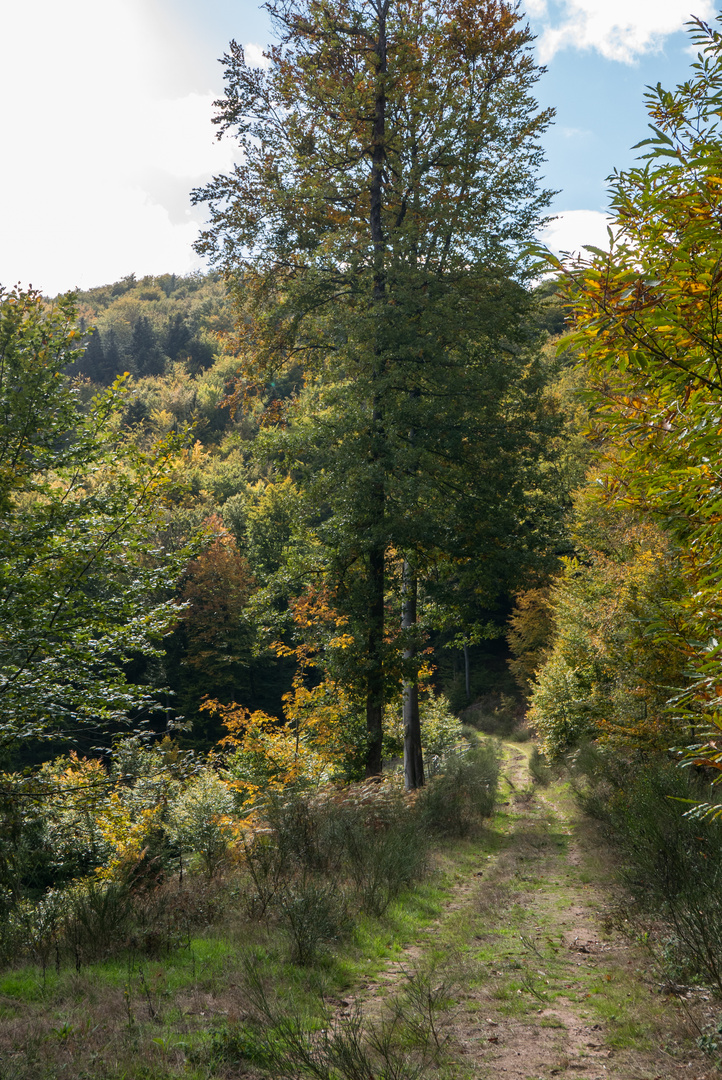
454, 802
85, 580
614, 659
636, 652
146, 327
441, 732
99, 860
671, 861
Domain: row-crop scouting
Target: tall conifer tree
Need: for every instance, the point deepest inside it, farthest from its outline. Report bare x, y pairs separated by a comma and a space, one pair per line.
113, 361
93, 363
147, 356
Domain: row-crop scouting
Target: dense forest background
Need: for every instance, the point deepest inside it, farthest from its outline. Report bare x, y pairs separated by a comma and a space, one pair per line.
170, 334
388, 482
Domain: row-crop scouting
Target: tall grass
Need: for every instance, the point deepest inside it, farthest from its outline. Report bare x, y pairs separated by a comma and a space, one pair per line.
405, 1042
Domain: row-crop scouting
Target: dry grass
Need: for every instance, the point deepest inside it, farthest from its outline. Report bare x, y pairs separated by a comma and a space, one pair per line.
519, 976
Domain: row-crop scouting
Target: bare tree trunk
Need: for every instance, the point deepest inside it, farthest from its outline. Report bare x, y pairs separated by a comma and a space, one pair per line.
377, 555
413, 757
467, 673
375, 678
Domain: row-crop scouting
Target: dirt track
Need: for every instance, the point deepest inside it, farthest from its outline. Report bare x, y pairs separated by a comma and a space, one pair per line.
539, 985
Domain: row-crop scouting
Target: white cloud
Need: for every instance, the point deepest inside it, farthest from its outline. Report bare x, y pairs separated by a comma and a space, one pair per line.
575, 133
572, 229
619, 29
254, 55
535, 8
98, 164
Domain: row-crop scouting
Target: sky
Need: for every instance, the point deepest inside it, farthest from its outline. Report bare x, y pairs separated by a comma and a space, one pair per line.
107, 108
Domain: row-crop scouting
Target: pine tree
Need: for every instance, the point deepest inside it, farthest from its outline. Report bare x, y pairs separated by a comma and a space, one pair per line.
93, 362
146, 355
113, 360
177, 336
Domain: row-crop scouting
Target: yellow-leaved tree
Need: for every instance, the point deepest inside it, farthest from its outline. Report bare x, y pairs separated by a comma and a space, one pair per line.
647, 326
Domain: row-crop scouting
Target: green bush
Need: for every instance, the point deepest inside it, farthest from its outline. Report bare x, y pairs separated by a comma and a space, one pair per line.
237, 1043
199, 820
383, 861
97, 919
671, 861
89, 920
539, 768
314, 912
460, 797
296, 823
441, 731
369, 836
268, 870
616, 651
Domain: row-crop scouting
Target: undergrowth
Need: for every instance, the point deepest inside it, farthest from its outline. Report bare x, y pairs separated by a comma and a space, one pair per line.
671, 859
402, 1043
125, 978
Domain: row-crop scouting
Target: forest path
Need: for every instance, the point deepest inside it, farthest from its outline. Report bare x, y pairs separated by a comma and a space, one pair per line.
535, 982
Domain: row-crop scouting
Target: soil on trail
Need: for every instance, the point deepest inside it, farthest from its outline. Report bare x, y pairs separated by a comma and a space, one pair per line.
537, 982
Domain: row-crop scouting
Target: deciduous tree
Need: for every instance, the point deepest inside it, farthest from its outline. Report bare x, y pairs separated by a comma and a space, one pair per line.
83, 578
647, 314
388, 177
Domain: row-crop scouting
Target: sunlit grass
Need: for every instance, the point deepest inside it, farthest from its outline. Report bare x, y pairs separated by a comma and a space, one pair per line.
490, 916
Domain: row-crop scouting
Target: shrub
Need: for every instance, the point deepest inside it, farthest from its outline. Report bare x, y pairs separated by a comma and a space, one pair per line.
456, 800
295, 821
199, 820
36, 928
315, 914
367, 833
617, 651
97, 919
539, 768
384, 860
90, 920
164, 916
672, 862
267, 869
561, 706
441, 732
